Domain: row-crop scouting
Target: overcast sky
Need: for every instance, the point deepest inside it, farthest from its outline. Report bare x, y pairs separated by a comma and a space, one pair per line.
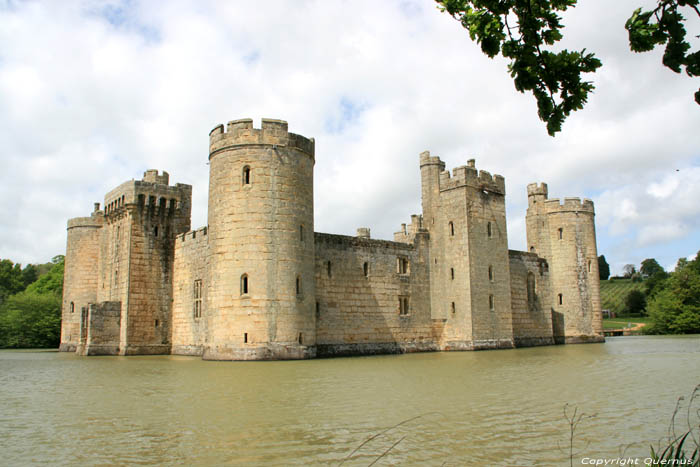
94, 93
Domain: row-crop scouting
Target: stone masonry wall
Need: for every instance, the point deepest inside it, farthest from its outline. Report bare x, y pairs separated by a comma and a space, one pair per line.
189, 329
530, 299
101, 324
360, 313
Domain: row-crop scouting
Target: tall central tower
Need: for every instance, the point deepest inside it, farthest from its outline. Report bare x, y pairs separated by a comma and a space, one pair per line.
261, 298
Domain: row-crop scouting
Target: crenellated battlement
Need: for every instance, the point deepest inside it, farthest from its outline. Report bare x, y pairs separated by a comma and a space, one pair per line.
555, 205
271, 133
153, 191
197, 234
467, 175
427, 159
151, 176
408, 233
537, 189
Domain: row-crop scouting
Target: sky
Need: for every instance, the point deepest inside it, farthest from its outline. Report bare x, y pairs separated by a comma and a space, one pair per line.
93, 93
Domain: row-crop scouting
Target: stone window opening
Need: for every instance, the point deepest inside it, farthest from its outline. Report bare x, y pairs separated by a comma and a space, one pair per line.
453, 307
328, 268
301, 233
197, 294
156, 323
155, 231
452, 273
122, 200
402, 265
301, 339
318, 310
491, 274
298, 284
451, 228
561, 299
403, 306
246, 175
244, 284
531, 290
489, 230
532, 249
365, 269
589, 265
116, 276
561, 233
72, 307
492, 305
245, 337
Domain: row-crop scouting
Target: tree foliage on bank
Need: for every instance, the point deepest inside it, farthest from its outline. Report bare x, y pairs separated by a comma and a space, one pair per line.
675, 306
524, 31
31, 316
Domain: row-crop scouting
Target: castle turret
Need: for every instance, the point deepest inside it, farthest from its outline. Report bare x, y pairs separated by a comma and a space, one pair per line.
142, 218
80, 275
464, 211
261, 293
564, 234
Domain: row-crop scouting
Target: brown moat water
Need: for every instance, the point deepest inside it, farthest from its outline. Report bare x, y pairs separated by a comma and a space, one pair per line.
479, 408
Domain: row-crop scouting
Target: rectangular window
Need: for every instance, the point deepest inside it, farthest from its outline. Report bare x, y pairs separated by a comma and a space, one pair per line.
402, 265
403, 306
197, 294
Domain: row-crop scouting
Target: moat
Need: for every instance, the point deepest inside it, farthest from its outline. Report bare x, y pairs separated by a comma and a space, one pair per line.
479, 408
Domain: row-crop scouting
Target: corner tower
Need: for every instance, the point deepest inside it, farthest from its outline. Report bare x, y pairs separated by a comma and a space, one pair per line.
261, 296
564, 234
80, 277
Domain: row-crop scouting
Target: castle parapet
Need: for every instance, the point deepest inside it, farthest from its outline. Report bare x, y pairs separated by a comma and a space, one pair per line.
537, 189
151, 176
94, 221
555, 205
427, 159
467, 175
271, 133
192, 235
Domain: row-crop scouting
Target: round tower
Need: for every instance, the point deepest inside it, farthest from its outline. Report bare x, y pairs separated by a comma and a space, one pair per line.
80, 274
573, 263
261, 298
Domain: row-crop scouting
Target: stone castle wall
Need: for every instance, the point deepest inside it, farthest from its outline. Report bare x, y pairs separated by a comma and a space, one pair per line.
359, 287
190, 264
530, 299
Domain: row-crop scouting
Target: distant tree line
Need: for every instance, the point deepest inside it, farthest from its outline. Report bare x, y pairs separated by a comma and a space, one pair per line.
30, 304
671, 300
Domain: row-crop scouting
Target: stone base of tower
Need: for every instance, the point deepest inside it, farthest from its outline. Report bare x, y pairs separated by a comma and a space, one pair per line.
190, 350
533, 341
267, 352
97, 349
68, 347
580, 339
373, 348
146, 349
480, 344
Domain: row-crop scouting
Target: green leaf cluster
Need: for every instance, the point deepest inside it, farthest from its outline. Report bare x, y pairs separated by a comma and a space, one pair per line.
520, 30
664, 25
31, 317
675, 307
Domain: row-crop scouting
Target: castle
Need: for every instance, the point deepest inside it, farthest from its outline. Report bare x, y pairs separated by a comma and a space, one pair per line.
258, 283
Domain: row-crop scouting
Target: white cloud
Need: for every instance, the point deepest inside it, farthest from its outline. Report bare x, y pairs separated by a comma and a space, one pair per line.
94, 93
